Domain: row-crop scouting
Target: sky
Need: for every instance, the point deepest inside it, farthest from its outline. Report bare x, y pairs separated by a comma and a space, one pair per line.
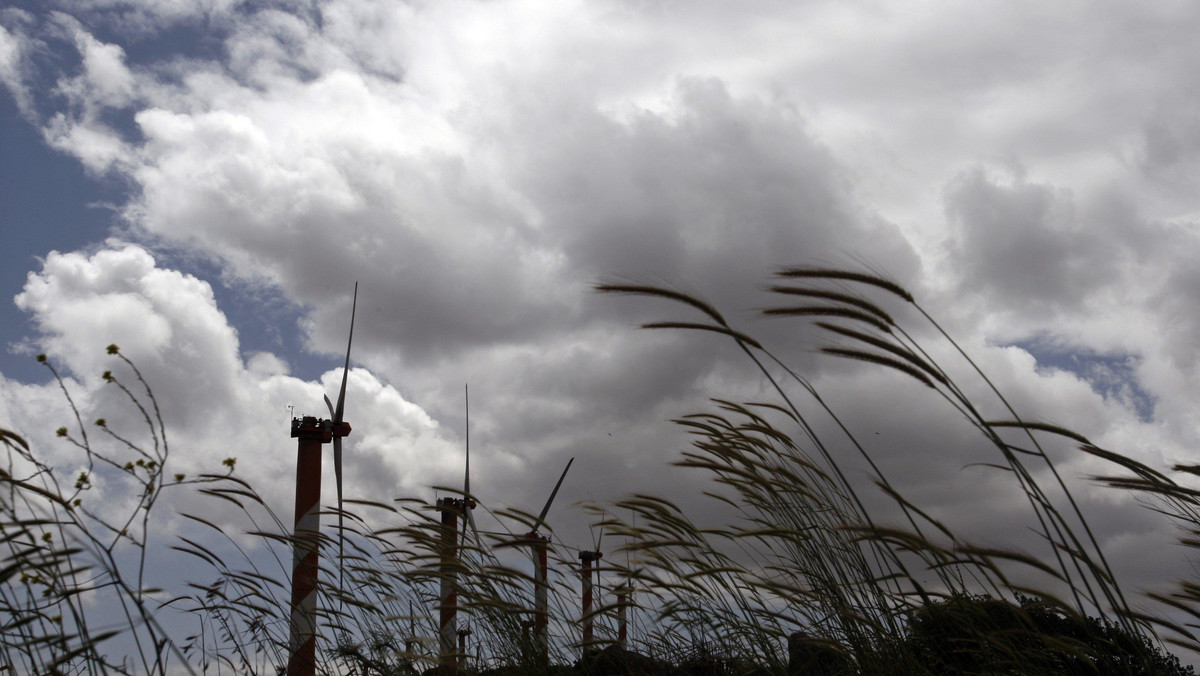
203, 183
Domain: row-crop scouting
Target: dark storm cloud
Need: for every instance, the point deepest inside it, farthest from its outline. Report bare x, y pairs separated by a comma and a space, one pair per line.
705, 192
1023, 243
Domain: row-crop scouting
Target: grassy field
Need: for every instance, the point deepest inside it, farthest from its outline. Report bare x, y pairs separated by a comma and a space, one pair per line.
802, 577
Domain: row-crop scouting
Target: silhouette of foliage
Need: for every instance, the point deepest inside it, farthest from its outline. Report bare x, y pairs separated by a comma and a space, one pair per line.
982, 635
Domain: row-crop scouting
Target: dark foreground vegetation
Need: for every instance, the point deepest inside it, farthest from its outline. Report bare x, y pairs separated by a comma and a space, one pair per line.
802, 578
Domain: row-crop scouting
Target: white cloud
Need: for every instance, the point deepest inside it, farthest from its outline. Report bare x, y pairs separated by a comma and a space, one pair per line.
266, 364
104, 71
10, 56
213, 404
15, 45
137, 18
82, 101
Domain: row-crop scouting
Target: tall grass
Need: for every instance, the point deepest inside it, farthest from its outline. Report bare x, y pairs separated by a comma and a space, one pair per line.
64, 555
814, 559
801, 570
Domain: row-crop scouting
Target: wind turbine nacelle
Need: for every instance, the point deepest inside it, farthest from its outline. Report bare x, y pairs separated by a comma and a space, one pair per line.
310, 427
323, 430
455, 503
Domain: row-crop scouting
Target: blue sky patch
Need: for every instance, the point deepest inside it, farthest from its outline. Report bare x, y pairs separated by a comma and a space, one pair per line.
1113, 374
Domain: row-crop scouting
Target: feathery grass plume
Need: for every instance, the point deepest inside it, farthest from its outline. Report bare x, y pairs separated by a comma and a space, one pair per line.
873, 358
1180, 504
828, 311
741, 337
806, 564
1040, 427
784, 497
797, 571
654, 291
1077, 554
836, 296
899, 350
845, 275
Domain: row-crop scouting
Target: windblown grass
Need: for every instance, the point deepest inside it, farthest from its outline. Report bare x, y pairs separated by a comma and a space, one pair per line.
65, 556
801, 571
819, 561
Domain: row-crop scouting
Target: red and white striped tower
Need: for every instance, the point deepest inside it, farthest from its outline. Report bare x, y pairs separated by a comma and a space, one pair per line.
541, 604
452, 510
588, 616
411, 642
623, 593
311, 434
539, 545
462, 648
541, 593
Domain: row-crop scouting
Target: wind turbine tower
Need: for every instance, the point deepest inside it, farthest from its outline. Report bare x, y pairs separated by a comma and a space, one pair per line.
452, 510
462, 647
587, 558
311, 434
539, 544
623, 592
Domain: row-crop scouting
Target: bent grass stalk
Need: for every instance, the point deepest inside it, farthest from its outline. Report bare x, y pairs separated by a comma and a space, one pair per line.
1080, 562
796, 551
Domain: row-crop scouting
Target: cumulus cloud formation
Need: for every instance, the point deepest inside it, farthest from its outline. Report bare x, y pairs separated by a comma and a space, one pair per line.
477, 166
214, 403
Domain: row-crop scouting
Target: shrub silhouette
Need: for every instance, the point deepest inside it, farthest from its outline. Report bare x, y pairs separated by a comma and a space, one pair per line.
983, 635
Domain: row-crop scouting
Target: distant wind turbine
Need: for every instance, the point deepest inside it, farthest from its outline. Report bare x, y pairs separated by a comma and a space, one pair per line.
452, 509
538, 545
587, 558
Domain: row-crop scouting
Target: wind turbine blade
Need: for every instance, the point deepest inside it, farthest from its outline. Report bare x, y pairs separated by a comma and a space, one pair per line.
337, 473
467, 510
542, 517
337, 413
601, 538
474, 530
470, 518
467, 434
341, 402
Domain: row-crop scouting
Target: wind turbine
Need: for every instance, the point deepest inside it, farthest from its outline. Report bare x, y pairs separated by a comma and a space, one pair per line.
410, 642
452, 509
586, 559
462, 647
623, 593
311, 434
539, 544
